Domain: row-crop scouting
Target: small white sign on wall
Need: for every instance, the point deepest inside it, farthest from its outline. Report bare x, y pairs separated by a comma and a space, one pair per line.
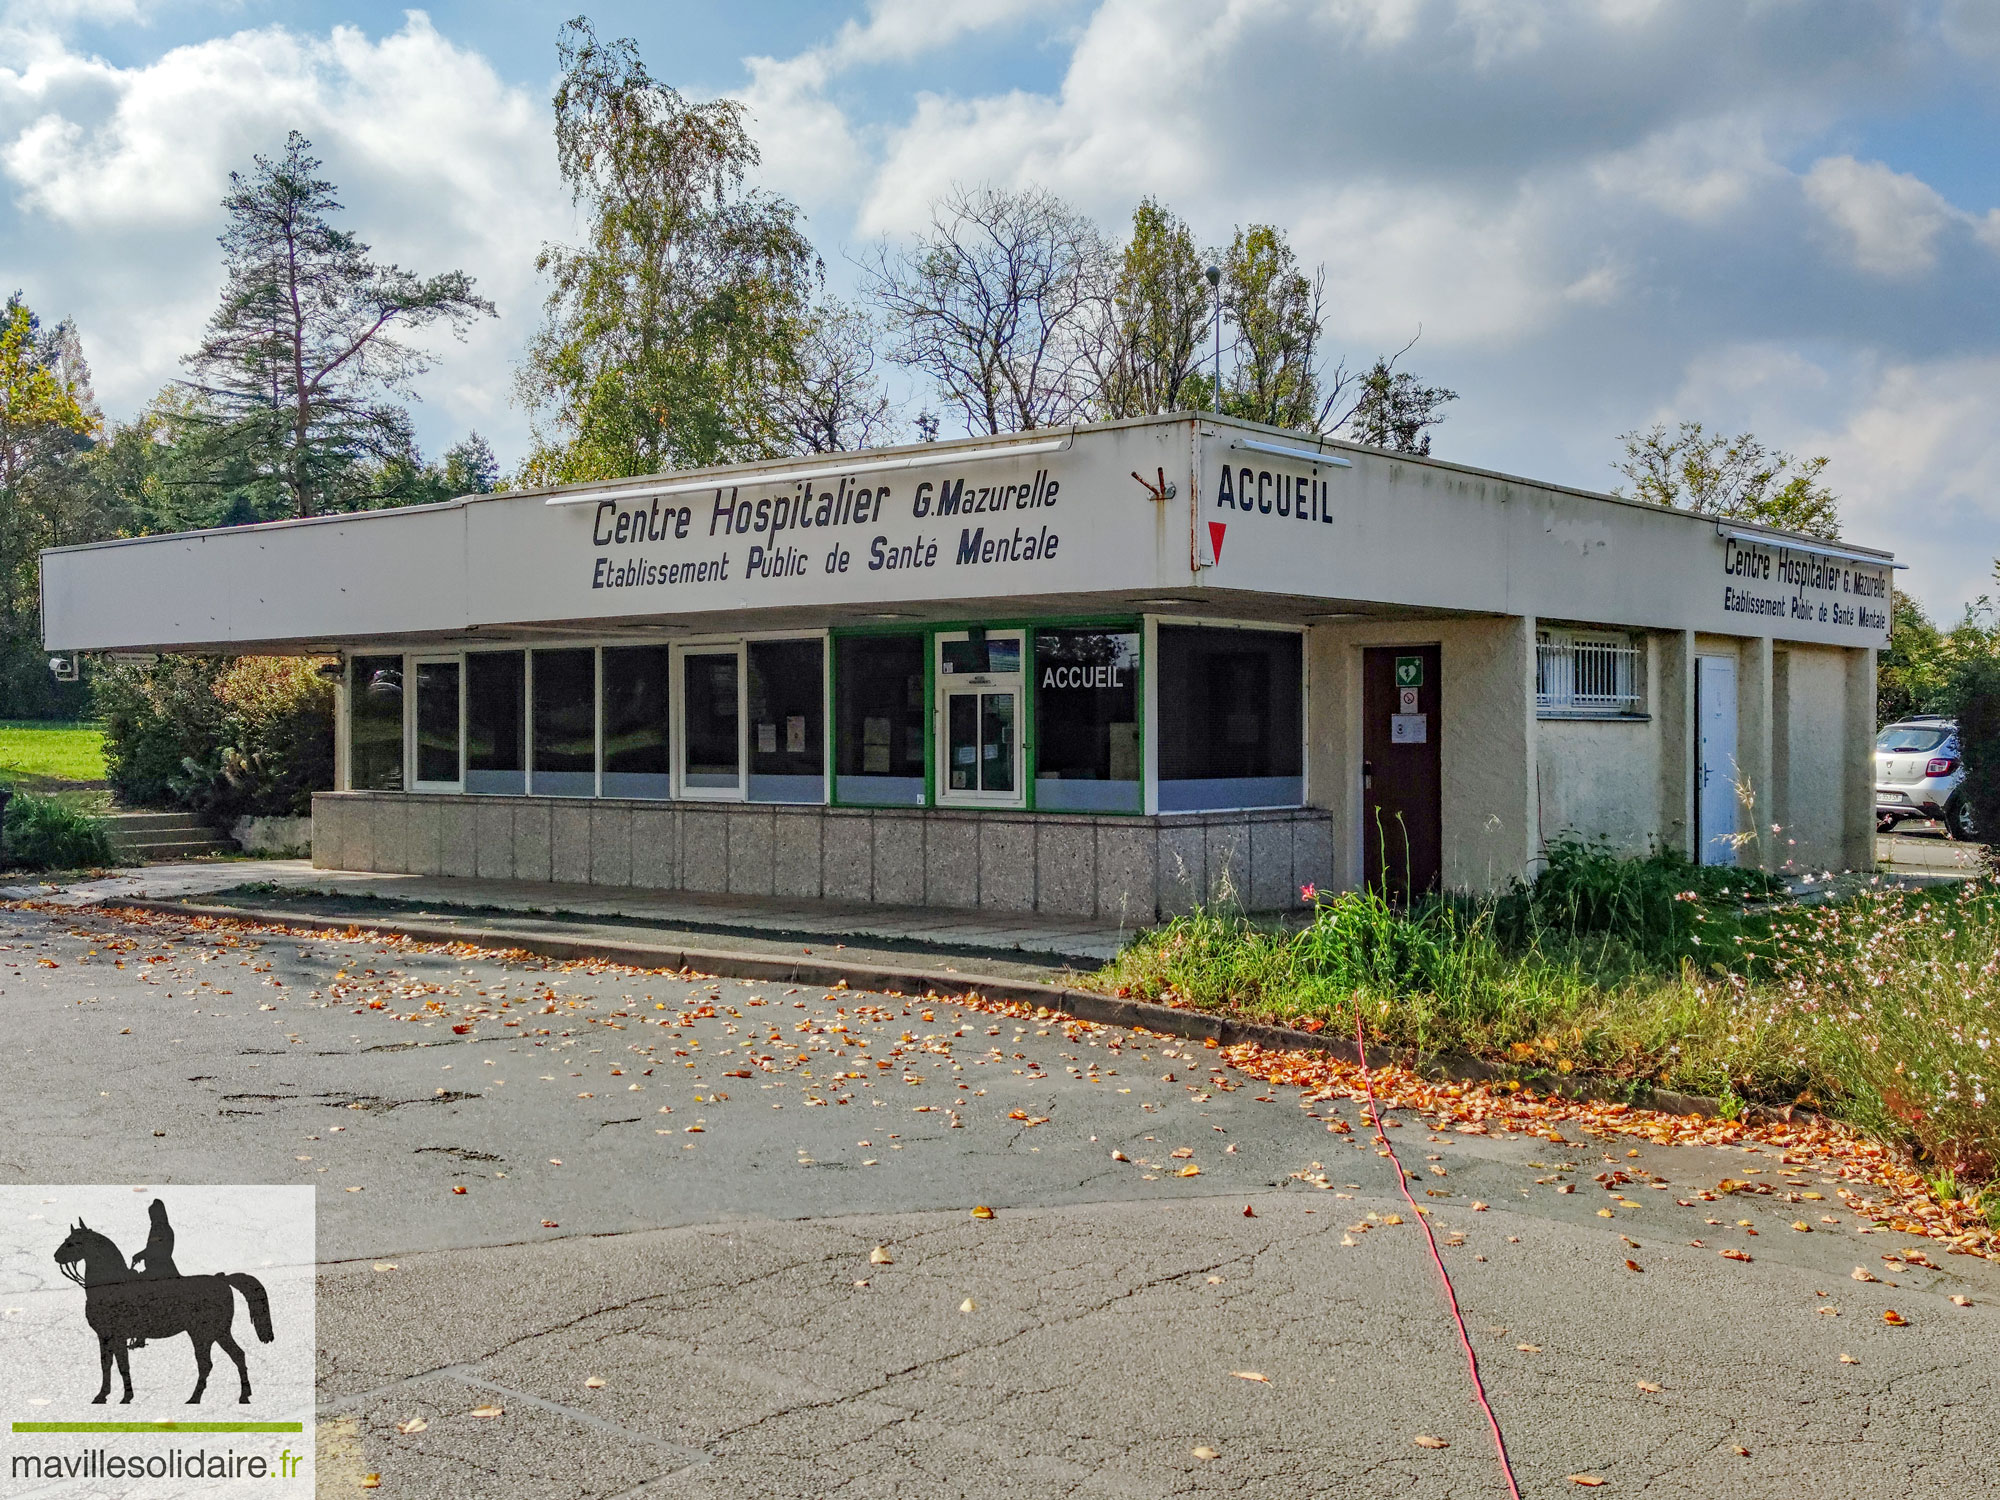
1409, 729
1408, 698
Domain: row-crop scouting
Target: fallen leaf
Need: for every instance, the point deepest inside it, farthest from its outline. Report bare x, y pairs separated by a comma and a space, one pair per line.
1205, 1454
880, 1256
1190, 1170
1348, 1241
1588, 1481
1862, 1273
415, 1424
968, 1305
459, 1189
371, 1481
487, 1411
1848, 1359
1392, 1218
1734, 1254
1740, 1451
1802, 1226
1478, 1207
1961, 1301
550, 1224
1249, 1212
594, 1383
385, 1265
1120, 1156
1893, 1318
1633, 1265
981, 1211
1425, 1440
1605, 1213
1828, 1311
1251, 1375
1650, 1389
1182, 1153
1529, 1348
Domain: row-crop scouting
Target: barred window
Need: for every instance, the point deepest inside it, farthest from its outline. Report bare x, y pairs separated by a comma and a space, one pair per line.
1587, 673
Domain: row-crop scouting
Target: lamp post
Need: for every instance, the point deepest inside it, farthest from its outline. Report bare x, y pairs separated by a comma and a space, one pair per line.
1215, 281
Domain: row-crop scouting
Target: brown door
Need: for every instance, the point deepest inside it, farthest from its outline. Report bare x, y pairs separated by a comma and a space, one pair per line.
1401, 809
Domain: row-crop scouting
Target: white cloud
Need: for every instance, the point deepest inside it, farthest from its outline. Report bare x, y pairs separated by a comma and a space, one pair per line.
118, 173
1890, 220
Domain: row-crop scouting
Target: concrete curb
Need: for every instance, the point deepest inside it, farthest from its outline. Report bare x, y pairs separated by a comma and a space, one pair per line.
1085, 1005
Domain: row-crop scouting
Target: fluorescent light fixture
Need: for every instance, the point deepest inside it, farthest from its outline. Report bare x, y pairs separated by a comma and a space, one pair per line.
1815, 549
1283, 452
789, 476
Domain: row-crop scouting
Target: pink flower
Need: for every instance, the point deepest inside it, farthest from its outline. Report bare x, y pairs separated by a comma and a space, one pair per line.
1308, 892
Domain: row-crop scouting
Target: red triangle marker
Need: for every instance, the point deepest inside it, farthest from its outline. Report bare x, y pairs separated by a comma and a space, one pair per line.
1215, 530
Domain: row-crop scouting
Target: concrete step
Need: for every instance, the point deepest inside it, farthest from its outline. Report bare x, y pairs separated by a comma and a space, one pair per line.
155, 822
171, 849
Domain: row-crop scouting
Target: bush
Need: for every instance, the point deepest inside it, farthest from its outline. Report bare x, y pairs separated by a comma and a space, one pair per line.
277, 742
46, 833
249, 737
1663, 906
156, 719
1978, 694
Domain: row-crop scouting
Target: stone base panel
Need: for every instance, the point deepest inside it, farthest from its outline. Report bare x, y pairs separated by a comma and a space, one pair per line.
1128, 870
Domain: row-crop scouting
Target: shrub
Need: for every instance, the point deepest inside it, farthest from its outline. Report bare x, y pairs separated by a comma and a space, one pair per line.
46, 833
1978, 703
276, 745
224, 738
156, 719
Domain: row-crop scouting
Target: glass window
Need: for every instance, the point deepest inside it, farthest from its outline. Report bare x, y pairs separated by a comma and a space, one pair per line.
437, 723
375, 725
787, 721
1912, 739
713, 746
496, 722
566, 723
637, 756
1087, 721
1231, 719
878, 742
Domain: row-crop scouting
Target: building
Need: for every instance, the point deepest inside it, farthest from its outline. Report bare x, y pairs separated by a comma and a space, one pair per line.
1112, 670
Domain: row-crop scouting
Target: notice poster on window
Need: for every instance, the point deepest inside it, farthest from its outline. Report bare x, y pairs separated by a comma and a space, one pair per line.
767, 739
795, 734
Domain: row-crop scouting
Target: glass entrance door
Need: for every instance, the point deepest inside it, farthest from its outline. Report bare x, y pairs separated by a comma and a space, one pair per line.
711, 722
979, 720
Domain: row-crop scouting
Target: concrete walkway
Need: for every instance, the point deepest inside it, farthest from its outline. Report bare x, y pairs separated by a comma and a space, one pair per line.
1033, 941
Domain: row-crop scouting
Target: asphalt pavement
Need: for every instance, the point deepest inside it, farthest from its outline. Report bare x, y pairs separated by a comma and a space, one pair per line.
661, 1271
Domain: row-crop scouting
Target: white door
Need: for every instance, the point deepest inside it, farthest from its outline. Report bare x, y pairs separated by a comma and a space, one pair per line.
979, 696
1715, 773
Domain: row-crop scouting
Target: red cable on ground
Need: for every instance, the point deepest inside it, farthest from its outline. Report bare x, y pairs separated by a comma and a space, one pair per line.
1424, 1222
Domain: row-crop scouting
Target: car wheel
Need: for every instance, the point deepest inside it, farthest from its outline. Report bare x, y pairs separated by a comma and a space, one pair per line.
1958, 821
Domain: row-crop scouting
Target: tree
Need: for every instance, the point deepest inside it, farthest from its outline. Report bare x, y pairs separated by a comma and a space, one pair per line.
1736, 478
1395, 410
995, 304
1279, 315
666, 330
49, 496
1919, 672
298, 363
828, 399
1156, 322
470, 467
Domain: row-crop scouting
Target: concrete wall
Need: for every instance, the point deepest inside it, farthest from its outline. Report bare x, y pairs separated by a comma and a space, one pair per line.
1813, 755
1127, 870
1486, 670
1598, 780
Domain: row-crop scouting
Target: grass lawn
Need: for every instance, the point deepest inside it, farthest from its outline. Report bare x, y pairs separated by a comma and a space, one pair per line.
50, 756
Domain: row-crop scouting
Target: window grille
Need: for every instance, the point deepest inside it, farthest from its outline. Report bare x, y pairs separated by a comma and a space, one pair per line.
1586, 674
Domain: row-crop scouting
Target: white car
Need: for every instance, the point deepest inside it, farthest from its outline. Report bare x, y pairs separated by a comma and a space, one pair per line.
1918, 770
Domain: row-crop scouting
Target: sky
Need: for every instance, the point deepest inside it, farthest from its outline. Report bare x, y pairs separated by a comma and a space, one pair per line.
1773, 215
